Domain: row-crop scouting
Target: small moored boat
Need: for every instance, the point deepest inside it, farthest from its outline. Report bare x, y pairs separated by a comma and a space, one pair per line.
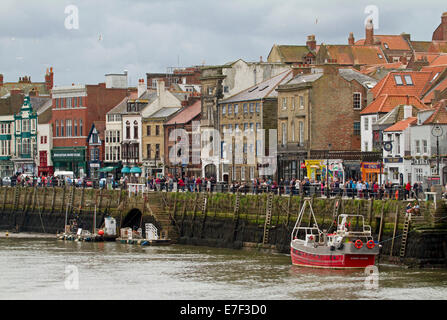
351, 245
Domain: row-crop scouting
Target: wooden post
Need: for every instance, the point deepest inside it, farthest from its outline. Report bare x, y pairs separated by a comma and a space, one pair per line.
396, 223
381, 221
370, 210
288, 211
4, 198
53, 201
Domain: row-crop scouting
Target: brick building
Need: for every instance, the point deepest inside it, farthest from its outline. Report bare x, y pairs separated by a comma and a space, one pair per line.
183, 120
75, 108
26, 86
189, 75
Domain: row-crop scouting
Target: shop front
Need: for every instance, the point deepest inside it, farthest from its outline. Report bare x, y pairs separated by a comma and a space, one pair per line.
316, 170
70, 159
370, 171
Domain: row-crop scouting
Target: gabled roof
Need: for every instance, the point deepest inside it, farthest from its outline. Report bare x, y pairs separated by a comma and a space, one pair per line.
291, 53
438, 46
262, 90
440, 114
401, 125
437, 82
350, 74
439, 60
387, 102
388, 84
393, 42
186, 114
421, 46
121, 107
164, 112
356, 55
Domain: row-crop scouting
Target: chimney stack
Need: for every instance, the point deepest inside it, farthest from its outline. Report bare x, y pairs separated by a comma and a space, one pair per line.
49, 79
311, 43
1, 80
141, 87
369, 33
351, 39
408, 111
301, 69
444, 19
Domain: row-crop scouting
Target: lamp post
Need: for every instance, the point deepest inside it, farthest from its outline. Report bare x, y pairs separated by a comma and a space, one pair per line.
437, 132
327, 170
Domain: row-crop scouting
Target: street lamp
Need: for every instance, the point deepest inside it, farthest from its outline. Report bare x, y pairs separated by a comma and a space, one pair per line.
327, 170
437, 132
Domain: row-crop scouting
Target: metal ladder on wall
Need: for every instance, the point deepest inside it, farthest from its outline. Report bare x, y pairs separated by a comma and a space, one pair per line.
268, 218
71, 198
403, 245
204, 203
16, 198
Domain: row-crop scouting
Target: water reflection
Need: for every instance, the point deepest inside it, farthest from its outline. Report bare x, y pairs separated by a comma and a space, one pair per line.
34, 269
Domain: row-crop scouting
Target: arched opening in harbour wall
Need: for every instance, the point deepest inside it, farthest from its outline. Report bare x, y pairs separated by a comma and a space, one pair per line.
133, 219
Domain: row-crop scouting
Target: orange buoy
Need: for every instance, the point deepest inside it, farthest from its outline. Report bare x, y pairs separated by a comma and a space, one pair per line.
101, 232
358, 243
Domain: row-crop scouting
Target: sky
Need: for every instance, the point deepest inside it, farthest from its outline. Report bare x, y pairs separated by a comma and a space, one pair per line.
141, 36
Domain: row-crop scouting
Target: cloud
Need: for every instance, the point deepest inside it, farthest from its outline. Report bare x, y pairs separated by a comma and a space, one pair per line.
149, 36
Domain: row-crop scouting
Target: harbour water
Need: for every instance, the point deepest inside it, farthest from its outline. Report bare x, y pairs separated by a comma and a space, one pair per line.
38, 267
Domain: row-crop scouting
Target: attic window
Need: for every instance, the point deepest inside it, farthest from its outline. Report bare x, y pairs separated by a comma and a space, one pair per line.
386, 45
253, 89
398, 80
263, 88
380, 56
408, 80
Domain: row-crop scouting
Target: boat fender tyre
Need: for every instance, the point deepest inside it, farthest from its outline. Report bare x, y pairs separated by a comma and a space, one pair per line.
332, 248
358, 243
370, 244
340, 246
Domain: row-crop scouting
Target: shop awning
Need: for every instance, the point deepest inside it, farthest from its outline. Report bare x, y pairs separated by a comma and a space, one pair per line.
135, 170
125, 170
107, 169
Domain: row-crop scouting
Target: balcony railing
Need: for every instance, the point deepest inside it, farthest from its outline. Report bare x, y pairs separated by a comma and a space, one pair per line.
293, 146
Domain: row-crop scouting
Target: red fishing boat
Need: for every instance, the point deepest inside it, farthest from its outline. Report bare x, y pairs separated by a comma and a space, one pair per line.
349, 246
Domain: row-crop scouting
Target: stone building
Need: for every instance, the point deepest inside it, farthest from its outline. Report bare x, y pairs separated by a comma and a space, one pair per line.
319, 109
242, 119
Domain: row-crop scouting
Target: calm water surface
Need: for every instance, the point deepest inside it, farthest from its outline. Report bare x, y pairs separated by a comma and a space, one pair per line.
34, 268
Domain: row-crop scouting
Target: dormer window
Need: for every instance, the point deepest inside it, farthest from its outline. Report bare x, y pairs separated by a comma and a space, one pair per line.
408, 80
398, 80
380, 56
386, 45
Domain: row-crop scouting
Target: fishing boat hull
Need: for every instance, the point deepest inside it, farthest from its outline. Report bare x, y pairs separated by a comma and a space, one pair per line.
348, 257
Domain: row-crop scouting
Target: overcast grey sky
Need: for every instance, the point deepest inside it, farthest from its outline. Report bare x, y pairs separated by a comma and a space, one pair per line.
151, 35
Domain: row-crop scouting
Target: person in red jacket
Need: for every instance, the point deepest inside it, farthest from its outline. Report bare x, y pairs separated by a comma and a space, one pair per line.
407, 190
181, 184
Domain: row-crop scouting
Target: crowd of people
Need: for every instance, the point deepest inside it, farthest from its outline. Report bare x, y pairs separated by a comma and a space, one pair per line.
307, 187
